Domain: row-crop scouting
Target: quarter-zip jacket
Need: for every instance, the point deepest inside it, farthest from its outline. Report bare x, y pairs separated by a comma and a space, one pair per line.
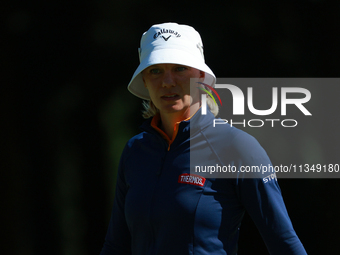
156, 212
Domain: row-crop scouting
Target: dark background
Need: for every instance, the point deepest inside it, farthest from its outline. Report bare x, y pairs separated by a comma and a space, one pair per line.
66, 113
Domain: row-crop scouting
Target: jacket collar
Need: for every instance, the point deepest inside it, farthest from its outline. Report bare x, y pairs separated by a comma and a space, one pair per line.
189, 127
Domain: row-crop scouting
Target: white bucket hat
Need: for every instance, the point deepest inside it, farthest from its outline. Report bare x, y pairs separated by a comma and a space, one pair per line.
169, 43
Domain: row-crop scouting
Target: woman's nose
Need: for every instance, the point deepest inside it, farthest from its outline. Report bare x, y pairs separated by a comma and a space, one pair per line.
168, 79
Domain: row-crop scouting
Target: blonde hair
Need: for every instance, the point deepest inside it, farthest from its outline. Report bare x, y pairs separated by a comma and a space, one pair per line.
150, 109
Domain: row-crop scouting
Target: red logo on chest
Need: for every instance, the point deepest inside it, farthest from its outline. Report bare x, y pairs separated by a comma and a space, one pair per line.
192, 179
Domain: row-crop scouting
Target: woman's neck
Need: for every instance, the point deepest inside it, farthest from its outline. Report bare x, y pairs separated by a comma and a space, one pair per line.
169, 120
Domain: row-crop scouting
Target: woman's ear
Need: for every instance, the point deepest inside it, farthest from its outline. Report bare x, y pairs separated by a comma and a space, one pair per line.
202, 74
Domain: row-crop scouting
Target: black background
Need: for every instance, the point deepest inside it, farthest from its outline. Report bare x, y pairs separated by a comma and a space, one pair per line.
66, 113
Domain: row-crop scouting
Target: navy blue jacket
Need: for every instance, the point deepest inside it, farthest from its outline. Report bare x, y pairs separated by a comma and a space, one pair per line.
160, 209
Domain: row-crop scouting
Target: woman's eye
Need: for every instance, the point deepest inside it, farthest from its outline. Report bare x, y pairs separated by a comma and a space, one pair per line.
181, 68
155, 71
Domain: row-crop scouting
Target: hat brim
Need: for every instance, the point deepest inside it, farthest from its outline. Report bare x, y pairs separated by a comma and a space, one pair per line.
167, 56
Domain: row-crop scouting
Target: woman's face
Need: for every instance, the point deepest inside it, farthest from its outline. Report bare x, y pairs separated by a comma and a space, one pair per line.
169, 87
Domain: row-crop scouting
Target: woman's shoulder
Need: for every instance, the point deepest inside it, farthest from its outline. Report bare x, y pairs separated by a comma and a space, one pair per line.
132, 145
234, 140
141, 138
228, 135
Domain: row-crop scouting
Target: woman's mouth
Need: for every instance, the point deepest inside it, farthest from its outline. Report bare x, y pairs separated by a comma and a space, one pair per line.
170, 97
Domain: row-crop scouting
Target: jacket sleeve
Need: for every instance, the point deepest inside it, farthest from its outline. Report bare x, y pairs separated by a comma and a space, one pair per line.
118, 239
265, 205
263, 201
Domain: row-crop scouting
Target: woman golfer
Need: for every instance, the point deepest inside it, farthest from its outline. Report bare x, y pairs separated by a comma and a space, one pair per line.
161, 206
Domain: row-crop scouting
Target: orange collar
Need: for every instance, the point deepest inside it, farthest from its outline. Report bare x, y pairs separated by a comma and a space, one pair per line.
155, 123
